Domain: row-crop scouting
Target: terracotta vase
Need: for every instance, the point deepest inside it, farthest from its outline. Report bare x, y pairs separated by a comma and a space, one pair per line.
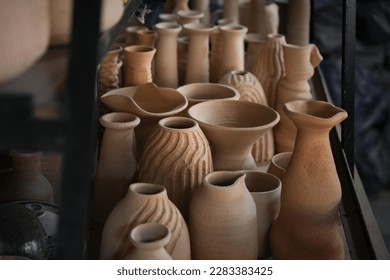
252, 91
146, 37
198, 69
278, 164
150, 103
233, 49
144, 203
167, 17
148, 241
269, 66
265, 190
299, 64
177, 156
138, 65
254, 42
166, 59
231, 10
298, 22
26, 181
131, 35
109, 70
223, 222
117, 164
232, 127
308, 223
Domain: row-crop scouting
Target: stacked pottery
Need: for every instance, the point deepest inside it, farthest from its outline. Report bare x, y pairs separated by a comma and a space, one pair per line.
308, 223
222, 220
144, 203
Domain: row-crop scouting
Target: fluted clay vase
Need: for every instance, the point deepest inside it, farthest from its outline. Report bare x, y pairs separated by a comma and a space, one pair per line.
265, 190
232, 127
308, 223
144, 202
299, 63
223, 222
198, 66
149, 240
26, 181
109, 70
251, 90
298, 22
279, 164
269, 66
131, 34
117, 164
233, 48
166, 60
178, 156
231, 10
138, 65
150, 103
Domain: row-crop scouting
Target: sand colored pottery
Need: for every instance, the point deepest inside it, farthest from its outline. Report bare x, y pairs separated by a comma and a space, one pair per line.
251, 90
232, 127
265, 190
138, 65
109, 70
230, 10
204, 7
148, 241
149, 102
131, 34
223, 221
308, 223
180, 5
254, 43
146, 37
298, 22
178, 156
278, 164
144, 203
299, 63
117, 164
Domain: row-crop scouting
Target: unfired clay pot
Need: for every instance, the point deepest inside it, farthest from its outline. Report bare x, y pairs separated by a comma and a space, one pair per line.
138, 65
308, 223
223, 222
146, 37
144, 203
298, 22
231, 10
149, 240
232, 127
178, 156
254, 43
204, 7
109, 70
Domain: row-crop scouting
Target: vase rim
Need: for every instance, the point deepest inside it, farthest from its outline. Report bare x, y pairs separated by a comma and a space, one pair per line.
269, 183
178, 123
199, 27
168, 26
119, 120
150, 235
199, 92
147, 189
194, 14
221, 179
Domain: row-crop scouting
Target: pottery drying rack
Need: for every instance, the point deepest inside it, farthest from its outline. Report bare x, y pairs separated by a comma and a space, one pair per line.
52, 108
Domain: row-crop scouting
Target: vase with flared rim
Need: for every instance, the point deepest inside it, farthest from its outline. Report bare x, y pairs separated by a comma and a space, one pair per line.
138, 65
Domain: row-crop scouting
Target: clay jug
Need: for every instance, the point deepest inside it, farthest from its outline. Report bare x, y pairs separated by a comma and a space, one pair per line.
26, 182
265, 190
269, 66
298, 22
144, 203
308, 223
117, 164
138, 65
166, 60
278, 164
148, 241
197, 69
232, 127
299, 64
223, 221
252, 91
178, 156
149, 102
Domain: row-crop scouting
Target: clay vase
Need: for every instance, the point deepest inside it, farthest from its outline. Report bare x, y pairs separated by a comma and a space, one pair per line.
231, 10
188, 16
269, 66
197, 69
148, 241
146, 37
278, 164
117, 164
254, 42
144, 203
180, 5
131, 35
166, 59
109, 70
251, 90
138, 65
263, 18
167, 17
265, 190
204, 7
232, 127
308, 223
26, 181
150, 103
298, 22
223, 222
299, 63
177, 156
182, 54
233, 49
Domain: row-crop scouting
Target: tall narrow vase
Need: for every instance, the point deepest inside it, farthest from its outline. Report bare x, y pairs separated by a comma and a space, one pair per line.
298, 22
308, 223
223, 221
166, 60
138, 65
231, 10
204, 7
144, 203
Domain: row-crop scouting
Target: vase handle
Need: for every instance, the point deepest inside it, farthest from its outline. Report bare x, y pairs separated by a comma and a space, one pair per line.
315, 56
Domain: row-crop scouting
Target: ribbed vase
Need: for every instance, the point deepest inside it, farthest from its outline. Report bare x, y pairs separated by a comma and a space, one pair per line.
138, 65
177, 156
144, 202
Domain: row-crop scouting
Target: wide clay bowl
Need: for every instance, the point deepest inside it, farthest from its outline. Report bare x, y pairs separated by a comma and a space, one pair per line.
232, 127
